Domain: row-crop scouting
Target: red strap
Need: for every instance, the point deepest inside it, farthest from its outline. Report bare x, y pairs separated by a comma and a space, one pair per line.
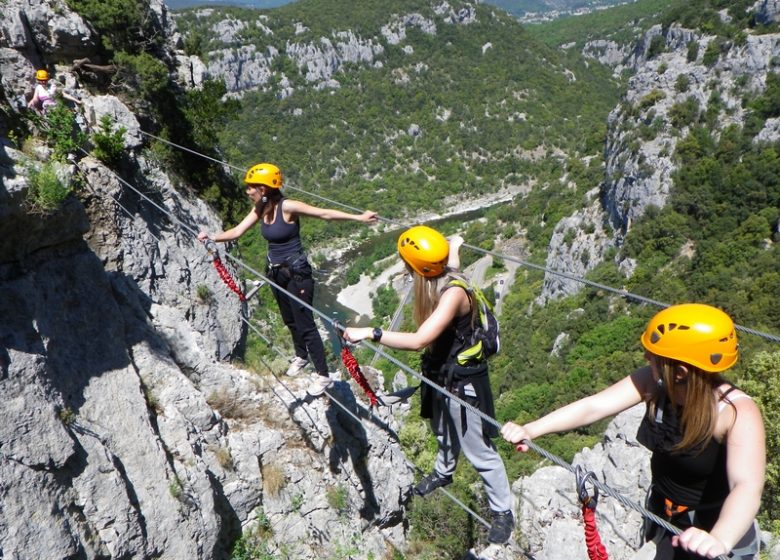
354, 370
596, 550
226, 278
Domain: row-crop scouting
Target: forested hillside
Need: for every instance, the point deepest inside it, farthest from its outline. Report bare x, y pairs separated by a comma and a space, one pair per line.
471, 105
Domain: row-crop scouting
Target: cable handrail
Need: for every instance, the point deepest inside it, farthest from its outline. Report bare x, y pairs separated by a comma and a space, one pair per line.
621, 292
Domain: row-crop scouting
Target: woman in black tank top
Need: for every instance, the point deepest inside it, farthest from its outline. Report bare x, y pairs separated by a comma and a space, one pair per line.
288, 266
442, 311
707, 438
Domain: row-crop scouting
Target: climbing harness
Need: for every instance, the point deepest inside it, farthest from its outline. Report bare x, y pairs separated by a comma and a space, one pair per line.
353, 367
211, 247
596, 550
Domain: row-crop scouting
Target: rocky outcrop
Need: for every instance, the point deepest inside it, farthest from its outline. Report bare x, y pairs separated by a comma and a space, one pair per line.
549, 508
318, 61
767, 11
127, 433
644, 131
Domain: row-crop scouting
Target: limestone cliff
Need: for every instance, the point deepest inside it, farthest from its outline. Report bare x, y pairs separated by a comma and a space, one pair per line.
126, 433
643, 134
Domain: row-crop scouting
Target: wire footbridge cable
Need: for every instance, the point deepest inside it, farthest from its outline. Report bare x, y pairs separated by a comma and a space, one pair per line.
621, 292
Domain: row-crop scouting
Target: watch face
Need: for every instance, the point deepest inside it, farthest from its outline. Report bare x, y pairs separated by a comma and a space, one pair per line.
377, 334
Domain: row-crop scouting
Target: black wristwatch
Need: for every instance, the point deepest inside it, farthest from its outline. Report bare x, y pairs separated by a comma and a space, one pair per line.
377, 334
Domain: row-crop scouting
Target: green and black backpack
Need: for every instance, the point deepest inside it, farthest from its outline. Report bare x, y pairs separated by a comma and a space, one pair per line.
484, 340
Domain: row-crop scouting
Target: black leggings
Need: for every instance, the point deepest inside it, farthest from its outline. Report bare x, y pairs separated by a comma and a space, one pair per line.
299, 318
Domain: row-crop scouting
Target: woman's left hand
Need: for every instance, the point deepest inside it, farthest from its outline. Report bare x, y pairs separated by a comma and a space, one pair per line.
700, 542
356, 334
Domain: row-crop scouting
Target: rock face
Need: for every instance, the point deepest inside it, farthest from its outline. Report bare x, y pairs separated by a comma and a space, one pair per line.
317, 60
127, 434
549, 508
643, 134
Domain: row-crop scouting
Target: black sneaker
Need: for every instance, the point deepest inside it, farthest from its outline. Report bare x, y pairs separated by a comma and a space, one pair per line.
501, 529
430, 483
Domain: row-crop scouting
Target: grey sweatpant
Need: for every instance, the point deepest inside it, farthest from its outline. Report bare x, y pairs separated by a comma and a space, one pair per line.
479, 450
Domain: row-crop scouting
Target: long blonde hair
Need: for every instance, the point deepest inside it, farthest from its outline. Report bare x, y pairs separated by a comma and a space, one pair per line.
700, 409
427, 293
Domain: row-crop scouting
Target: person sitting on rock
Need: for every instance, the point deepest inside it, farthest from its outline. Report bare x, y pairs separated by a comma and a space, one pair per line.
46, 92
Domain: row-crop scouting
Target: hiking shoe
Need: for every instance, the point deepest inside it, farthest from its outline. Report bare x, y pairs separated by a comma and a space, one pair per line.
431, 482
319, 385
501, 529
296, 366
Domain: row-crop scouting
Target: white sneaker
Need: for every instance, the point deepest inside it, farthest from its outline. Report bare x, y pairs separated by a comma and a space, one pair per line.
296, 366
319, 385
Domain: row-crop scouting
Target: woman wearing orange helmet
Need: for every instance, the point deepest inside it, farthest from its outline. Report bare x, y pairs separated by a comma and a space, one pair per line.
44, 95
706, 436
288, 266
445, 317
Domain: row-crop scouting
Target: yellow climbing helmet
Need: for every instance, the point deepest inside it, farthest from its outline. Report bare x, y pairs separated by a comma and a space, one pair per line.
425, 250
695, 334
264, 174
41, 75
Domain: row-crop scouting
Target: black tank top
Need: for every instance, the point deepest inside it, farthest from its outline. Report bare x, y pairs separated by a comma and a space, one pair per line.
284, 239
694, 478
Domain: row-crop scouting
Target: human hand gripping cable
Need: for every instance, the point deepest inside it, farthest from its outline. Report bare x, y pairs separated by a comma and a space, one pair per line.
516, 435
700, 542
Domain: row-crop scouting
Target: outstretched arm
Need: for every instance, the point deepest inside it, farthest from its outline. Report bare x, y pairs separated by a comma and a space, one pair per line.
293, 208
453, 302
235, 232
746, 466
618, 397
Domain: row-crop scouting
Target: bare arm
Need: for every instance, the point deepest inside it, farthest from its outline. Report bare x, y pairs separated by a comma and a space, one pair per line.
454, 302
618, 397
293, 208
235, 232
453, 261
746, 468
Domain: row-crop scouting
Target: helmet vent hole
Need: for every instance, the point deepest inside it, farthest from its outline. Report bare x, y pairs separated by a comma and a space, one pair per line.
672, 326
655, 337
684, 327
661, 329
715, 358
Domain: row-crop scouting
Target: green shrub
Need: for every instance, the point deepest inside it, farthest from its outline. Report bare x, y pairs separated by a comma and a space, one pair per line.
46, 191
142, 74
657, 46
685, 113
651, 99
61, 133
109, 144
693, 51
682, 83
252, 544
711, 54
120, 23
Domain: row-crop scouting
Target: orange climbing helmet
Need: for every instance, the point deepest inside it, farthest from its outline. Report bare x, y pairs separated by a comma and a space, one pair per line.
425, 250
693, 333
264, 174
41, 75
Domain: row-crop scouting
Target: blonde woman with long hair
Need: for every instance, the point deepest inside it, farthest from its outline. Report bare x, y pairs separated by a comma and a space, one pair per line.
445, 315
